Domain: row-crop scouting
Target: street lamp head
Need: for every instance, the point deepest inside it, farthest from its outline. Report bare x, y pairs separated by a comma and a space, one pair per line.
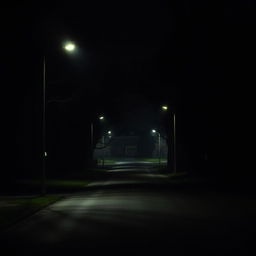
69, 47
153, 131
101, 118
164, 107
109, 132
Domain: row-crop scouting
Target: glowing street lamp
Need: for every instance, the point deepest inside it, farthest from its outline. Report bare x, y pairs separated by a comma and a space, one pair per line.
101, 118
164, 107
70, 47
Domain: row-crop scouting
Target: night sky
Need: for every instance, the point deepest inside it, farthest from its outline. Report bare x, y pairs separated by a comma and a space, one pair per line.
132, 57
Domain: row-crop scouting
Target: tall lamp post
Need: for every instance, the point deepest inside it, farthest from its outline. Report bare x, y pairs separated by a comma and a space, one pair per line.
104, 147
101, 118
159, 145
165, 108
69, 47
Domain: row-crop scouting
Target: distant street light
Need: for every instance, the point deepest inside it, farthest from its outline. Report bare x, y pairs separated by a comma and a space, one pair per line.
70, 47
165, 108
101, 117
159, 145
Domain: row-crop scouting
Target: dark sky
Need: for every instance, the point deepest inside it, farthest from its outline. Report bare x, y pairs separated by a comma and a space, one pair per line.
163, 50
132, 56
122, 49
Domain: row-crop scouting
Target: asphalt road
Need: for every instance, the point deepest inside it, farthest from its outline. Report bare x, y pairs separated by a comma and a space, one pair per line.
138, 212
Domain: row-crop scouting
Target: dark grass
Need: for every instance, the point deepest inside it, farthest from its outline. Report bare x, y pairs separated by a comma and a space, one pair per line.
66, 182
15, 209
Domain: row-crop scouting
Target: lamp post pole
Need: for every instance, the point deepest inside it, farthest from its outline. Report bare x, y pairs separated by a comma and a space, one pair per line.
44, 154
173, 125
103, 142
159, 145
68, 47
174, 144
92, 134
159, 148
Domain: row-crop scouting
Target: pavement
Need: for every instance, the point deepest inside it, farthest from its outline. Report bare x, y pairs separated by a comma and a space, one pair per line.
136, 211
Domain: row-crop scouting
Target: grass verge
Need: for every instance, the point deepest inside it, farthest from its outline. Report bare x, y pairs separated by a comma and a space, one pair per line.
15, 209
56, 183
106, 161
53, 185
152, 160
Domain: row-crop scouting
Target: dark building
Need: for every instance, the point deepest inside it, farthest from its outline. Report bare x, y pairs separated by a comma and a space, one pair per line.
125, 146
132, 147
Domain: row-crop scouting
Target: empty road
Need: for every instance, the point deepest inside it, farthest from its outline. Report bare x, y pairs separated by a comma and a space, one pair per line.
137, 211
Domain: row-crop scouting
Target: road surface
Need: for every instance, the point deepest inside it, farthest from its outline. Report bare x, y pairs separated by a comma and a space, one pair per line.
138, 212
